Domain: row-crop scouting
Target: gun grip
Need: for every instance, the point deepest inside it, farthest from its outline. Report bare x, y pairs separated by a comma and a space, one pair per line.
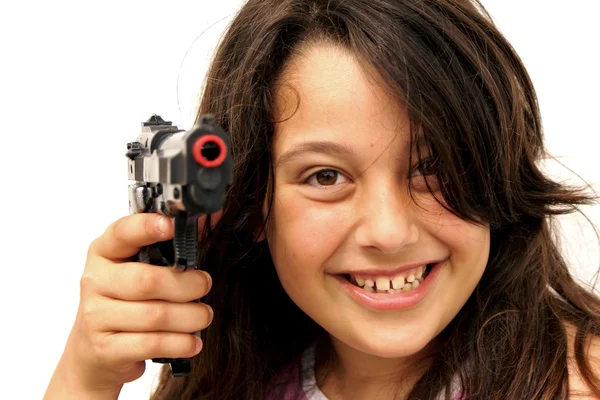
179, 366
179, 253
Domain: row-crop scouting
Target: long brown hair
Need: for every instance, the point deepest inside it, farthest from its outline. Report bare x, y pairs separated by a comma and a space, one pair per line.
467, 90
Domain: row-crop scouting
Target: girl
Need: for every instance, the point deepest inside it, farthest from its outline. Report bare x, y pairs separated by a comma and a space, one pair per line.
387, 234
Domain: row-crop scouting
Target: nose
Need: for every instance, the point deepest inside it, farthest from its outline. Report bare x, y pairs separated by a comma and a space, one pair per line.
387, 224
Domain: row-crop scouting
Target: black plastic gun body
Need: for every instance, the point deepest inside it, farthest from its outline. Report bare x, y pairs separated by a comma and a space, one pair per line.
184, 175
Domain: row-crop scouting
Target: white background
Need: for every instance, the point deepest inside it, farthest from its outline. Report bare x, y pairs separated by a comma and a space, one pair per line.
76, 80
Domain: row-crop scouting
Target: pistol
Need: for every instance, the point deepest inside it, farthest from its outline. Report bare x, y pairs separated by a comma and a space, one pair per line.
183, 175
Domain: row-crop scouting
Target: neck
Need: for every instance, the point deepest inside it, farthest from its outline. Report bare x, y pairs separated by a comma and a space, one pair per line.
354, 374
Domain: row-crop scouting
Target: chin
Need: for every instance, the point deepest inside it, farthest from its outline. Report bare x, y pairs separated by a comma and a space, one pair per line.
391, 343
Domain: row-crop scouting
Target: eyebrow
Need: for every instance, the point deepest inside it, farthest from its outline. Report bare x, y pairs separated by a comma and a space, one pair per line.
323, 147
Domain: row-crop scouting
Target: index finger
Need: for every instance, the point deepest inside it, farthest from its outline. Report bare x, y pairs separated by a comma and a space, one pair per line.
124, 237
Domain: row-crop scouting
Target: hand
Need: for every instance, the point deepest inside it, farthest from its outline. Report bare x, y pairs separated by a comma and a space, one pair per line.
129, 311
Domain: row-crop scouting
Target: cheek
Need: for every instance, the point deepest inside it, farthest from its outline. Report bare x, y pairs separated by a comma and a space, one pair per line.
470, 247
304, 233
460, 236
468, 243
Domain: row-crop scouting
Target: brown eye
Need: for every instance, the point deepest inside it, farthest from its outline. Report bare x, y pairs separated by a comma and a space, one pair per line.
325, 177
425, 175
427, 167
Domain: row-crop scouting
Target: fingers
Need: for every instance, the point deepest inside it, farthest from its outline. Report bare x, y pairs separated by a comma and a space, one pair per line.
148, 316
136, 346
124, 237
132, 311
135, 281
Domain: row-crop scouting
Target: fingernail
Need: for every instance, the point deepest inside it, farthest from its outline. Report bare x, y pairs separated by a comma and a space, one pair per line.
208, 279
212, 313
198, 344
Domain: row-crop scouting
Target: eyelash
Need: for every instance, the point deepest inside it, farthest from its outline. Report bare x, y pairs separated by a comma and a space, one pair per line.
314, 174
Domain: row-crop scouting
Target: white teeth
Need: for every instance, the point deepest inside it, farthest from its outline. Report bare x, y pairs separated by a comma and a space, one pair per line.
406, 287
420, 272
410, 278
369, 289
369, 283
383, 284
360, 281
415, 284
398, 282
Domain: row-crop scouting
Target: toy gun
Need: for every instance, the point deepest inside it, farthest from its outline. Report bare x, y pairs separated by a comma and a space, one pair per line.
181, 174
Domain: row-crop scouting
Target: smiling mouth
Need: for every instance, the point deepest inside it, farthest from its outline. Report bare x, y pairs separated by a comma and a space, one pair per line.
404, 282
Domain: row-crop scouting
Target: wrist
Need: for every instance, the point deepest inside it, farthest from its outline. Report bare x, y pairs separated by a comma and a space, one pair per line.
66, 384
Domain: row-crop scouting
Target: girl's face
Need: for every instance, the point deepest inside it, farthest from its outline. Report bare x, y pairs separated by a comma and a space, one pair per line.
342, 216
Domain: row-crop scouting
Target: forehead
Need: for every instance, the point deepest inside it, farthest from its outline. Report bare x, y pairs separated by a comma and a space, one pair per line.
326, 94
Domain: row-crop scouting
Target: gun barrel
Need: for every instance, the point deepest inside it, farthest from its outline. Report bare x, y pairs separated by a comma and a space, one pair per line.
183, 170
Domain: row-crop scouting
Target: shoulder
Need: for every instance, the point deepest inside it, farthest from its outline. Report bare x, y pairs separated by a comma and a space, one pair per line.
578, 389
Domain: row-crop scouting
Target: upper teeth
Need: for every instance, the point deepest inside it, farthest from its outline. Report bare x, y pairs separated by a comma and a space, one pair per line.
387, 283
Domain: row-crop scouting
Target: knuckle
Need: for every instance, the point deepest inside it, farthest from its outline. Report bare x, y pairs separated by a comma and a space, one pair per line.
147, 281
154, 344
89, 317
93, 248
87, 284
99, 348
158, 314
151, 225
118, 229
